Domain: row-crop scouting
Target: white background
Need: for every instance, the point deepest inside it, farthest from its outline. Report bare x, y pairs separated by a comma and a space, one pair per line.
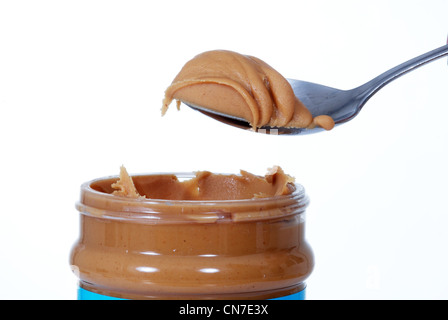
81, 85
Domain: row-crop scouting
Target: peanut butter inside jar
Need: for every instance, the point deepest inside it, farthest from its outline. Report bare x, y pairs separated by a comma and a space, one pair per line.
193, 236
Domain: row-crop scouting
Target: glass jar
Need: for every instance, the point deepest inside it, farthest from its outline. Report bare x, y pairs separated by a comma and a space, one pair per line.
178, 249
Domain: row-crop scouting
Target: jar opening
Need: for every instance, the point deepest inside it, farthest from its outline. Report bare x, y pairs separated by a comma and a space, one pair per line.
174, 203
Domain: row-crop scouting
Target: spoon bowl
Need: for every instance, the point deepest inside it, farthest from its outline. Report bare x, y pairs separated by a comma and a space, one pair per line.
341, 105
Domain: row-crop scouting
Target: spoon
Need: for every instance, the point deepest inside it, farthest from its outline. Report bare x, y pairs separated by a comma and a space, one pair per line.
341, 105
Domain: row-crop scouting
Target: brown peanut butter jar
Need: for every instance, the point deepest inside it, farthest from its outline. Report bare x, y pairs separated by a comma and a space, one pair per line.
169, 248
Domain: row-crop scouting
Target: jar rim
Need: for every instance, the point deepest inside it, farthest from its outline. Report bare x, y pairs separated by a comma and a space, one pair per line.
98, 203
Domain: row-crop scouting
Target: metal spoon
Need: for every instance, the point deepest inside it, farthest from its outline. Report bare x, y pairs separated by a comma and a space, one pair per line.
341, 105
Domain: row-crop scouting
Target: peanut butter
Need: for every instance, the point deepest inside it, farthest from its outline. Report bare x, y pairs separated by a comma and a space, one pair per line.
125, 186
193, 236
241, 86
206, 186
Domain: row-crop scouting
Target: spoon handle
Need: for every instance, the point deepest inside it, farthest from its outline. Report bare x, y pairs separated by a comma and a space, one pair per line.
368, 89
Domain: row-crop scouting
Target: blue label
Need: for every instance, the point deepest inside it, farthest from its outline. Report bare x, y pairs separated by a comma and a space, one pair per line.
295, 296
88, 295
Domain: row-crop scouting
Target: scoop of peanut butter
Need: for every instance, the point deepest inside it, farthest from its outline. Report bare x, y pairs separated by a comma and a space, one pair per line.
241, 86
204, 186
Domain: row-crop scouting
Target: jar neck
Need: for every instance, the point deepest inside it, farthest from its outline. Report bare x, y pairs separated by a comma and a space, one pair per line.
97, 200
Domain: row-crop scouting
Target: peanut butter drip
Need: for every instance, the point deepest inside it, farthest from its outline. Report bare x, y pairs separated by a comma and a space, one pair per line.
125, 186
205, 186
241, 86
